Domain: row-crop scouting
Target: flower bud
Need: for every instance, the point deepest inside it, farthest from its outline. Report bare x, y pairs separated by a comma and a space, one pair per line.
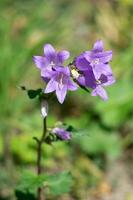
44, 108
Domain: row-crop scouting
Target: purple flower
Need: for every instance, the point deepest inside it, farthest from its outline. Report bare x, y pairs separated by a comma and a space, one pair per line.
62, 133
60, 82
50, 59
97, 59
88, 79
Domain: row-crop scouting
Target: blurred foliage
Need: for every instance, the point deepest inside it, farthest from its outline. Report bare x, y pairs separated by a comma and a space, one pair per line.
105, 129
99, 142
55, 185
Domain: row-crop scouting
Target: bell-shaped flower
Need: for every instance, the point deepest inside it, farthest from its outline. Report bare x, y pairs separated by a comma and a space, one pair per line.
60, 82
88, 79
61, 133
50, 59
97, 59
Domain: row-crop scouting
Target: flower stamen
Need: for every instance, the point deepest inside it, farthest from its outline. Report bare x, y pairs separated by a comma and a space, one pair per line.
75, 73
98, 82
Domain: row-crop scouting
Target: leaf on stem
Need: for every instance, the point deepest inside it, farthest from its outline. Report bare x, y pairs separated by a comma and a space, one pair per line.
56, 184
32, 93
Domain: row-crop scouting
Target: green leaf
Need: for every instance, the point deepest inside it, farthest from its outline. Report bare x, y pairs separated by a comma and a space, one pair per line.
24, 196
30, 182
34, 93
59, 183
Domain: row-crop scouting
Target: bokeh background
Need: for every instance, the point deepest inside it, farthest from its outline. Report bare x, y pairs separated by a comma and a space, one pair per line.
100, 158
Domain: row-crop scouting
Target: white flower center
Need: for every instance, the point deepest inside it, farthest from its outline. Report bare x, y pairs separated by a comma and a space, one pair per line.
75, 74
52, 64
61, 82
96, 61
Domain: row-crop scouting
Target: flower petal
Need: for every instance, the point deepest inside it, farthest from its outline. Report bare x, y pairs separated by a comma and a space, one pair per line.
61, 93
62, 56
39, 61
105, 57
101, 57
47, 72
46, 79
98, 46
51, 86
71, 85
101, 68
90, 80
49, 52
110, 80
103, 79
81, 80
100, 92
66, 71
82, 63
62, 133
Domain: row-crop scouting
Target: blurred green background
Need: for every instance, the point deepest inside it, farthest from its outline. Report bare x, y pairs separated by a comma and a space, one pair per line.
100, 157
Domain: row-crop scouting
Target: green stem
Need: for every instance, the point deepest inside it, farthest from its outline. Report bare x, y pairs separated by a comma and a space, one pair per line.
39, 155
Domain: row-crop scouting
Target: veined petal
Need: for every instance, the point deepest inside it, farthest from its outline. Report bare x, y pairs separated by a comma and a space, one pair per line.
51, 86
98, 46
39, 61
103, 57
71, 85
82, 63
88, 56
94, 92
62, 56
47, 72
49, 52
66, 71
61, 93
99, 90
101, 68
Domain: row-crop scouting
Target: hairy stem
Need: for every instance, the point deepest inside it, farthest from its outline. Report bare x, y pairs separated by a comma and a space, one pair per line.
39, 155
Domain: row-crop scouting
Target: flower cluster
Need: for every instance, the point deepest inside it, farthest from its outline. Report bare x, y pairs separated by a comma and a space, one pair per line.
90, 69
